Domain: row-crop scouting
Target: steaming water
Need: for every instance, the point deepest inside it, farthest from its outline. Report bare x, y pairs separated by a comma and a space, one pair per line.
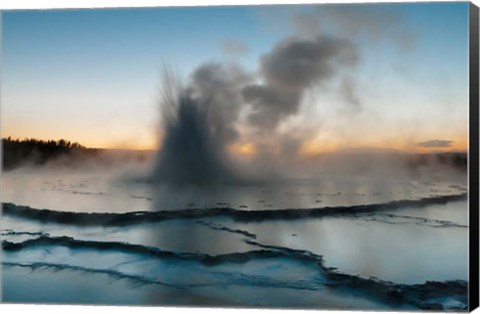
209, 260
95, 192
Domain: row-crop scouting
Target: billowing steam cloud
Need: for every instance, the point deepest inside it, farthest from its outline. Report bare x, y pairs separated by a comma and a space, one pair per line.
293, 66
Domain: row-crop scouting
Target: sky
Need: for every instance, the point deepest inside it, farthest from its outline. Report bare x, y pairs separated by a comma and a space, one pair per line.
93, 76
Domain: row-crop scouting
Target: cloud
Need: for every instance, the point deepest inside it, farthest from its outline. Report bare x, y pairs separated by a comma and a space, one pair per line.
368, 22
234, 47
349, 92
435, 143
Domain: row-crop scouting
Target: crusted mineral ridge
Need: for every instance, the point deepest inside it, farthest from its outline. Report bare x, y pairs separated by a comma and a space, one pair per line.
136, 217
428, 295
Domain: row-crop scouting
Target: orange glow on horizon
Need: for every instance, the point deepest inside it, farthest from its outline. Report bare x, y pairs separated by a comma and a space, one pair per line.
307, 149
312, 148
242, 148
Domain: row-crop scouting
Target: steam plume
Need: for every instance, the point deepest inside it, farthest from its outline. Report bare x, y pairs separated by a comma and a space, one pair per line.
200, 118
293, 66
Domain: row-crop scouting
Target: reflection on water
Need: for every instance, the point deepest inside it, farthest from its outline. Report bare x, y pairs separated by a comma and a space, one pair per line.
78, 287
403, 253
81, 192
97, 192
409, 245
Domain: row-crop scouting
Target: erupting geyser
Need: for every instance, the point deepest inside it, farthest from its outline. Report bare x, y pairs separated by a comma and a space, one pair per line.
199, 119
198, 125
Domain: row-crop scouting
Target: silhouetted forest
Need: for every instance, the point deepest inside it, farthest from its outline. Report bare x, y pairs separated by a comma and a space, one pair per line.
458, 161
31, 151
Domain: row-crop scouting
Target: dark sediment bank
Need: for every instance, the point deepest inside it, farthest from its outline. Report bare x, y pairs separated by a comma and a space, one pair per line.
130, 218
139, 249
429, 295
219, 227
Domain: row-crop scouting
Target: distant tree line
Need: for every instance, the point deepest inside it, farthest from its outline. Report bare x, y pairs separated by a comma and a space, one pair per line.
458, 160
16, 152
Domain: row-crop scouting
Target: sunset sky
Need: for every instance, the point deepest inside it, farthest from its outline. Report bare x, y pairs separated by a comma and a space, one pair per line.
94, 76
